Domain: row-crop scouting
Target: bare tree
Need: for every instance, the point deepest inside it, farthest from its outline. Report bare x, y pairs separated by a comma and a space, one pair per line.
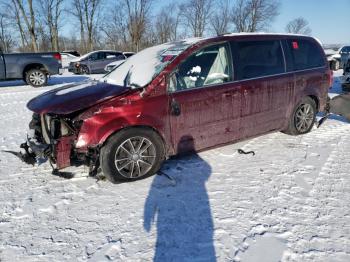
254, 15
115, 27
6, 40
220, 20
90, 12
28, 15
16, 16
86, 11
167, 23
78, 12
52, 14
137, 14
196, 14
299, 26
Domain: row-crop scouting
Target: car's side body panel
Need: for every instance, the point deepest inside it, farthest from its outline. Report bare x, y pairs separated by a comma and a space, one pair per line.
209, 115
212, 115
2, 67
127, 112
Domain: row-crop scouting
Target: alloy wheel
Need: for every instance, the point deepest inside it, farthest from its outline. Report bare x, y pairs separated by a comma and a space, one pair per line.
135, 157
304, 118
37, 78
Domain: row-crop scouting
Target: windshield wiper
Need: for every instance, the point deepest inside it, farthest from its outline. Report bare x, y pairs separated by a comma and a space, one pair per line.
136, 86
127, 78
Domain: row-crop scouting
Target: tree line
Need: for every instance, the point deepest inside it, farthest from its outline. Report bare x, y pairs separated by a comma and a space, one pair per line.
128, 25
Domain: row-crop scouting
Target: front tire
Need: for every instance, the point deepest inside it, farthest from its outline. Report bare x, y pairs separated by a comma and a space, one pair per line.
36, 78
303, 117
132, 154
84, 70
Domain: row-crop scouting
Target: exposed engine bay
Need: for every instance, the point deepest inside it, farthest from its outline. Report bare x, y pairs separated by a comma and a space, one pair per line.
52, 138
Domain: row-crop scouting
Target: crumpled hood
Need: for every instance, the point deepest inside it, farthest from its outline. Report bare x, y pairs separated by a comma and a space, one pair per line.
74, 97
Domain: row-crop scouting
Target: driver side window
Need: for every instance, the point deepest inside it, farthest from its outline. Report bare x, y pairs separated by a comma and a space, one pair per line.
208, 66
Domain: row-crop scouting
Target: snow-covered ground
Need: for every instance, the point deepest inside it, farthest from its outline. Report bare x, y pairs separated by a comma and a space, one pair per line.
289, 202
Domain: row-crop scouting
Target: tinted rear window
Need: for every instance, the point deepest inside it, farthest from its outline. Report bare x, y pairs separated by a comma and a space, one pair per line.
257, 58
305, 54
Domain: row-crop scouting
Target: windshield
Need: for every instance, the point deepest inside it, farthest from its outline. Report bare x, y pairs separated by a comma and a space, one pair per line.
141, 68
85, 56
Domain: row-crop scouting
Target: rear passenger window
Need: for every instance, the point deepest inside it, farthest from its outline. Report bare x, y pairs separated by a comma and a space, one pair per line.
257, 58
97, 56
305, 54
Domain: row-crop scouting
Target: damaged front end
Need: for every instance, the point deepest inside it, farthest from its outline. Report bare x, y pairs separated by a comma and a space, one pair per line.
56, 124
52, 138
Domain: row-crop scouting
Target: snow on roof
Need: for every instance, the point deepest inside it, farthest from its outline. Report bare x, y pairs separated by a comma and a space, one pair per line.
272, 34
198, 39
262, 33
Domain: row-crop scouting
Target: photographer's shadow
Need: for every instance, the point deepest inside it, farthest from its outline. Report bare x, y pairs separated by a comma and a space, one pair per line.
179, 207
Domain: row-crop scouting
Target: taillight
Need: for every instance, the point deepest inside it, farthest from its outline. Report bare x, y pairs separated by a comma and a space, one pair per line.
57, 56
330, 78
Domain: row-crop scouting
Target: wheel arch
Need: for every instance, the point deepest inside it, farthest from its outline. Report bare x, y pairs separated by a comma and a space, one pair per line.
104, 140
316, 100
33, 66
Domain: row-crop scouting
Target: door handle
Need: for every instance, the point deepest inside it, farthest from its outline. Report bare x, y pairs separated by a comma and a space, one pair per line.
175, 108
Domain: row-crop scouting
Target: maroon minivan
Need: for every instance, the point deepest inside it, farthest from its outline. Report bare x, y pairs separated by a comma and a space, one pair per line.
181, 96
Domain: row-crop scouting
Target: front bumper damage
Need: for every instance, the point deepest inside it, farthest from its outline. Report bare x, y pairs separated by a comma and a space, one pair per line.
34, 151
53, 138
59, 153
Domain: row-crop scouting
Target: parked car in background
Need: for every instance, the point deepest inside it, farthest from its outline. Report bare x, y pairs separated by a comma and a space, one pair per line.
333, 59
67, 58
346, 79
344, 53
33, 68
94, 62
338, 58
114, 64
181, 96
72, 52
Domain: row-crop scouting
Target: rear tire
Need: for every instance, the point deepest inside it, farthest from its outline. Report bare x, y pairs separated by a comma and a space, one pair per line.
303, 117
36, 77
132, 154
